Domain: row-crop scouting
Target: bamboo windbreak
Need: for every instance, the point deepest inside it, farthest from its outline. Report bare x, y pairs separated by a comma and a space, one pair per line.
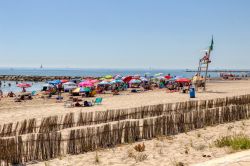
74, 133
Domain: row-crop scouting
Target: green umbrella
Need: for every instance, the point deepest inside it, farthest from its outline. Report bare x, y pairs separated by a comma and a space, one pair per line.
108, 76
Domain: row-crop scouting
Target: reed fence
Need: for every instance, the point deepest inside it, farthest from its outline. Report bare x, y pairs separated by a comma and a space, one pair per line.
79, 133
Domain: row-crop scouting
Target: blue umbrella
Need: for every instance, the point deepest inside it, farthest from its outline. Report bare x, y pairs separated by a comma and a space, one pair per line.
54, 82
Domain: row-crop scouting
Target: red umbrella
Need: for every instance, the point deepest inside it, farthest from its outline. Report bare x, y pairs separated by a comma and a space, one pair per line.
183, 80
23, 85
168, 77
127, 79
64, 81
94, 81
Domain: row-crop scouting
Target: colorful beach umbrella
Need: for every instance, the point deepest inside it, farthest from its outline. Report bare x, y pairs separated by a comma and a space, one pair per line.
54, 82
118, 77
64, 81
108, 77
86, 84
77, 90
158, 74
168, 77
137, 76
94, 81
161, 78
135, 81
183, 80
23, 85
127, 79
84, 89
116, 81
143, 79
69, 83
104, 83
101, 79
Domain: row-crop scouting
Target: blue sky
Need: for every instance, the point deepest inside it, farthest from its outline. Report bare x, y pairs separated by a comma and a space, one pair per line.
123, 33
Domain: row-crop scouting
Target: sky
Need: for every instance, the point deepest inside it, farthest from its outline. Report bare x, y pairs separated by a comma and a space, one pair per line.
169, 34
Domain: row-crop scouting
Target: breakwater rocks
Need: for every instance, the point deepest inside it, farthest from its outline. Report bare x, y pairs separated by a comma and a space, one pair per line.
35, 78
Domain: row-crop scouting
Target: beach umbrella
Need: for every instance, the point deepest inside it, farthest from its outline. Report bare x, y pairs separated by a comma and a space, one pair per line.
23, 85
86, 84
135, 81
64, 81
183, 80
143, 79
54, 82
101, 79
77, 90
116, 81
168, 77
127, 79
137, 76
118, 77
69, 83
158, 74
84, 89
108, 76
47, 85
94, 81
104, 83
160, 78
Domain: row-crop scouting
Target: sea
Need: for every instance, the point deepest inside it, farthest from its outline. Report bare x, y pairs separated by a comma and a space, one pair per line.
8, 86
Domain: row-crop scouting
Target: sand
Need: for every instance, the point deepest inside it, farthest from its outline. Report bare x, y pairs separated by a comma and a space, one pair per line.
38, 108
188, 148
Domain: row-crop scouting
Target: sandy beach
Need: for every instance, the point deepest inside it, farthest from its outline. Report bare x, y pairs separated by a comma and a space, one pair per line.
188, 148
11, 111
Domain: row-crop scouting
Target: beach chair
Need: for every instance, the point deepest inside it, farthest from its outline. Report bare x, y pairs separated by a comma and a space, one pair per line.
33, 93
98, 100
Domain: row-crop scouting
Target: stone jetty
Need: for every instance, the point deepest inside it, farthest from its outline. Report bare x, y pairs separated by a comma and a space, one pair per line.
35, 78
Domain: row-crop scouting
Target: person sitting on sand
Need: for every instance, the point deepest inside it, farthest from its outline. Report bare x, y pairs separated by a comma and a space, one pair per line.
116, 90
87, 104
11, 94
77, 104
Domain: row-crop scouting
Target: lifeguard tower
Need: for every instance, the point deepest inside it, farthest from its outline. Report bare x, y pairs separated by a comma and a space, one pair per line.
204, 63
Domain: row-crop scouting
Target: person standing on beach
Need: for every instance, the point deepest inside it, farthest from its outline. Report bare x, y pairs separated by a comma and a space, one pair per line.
1, 93
59, 89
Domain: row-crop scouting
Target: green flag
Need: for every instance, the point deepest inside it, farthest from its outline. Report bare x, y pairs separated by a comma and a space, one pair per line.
212, 45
